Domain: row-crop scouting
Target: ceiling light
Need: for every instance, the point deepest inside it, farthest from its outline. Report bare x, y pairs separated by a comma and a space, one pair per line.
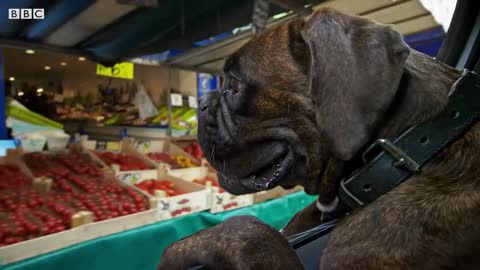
40, 90
81, 58
47, 67
63, 63
11, 79
29, 51
20, 93
280, 15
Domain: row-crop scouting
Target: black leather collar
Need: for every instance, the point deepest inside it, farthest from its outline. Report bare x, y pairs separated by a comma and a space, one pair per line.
414, 148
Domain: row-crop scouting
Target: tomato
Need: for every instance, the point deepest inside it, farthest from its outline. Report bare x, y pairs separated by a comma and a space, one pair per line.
10, 240
158, 185
146, 185
209, 178
45, 231
169, 184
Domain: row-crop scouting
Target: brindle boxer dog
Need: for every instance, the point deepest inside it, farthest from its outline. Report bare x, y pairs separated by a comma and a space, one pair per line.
299, 103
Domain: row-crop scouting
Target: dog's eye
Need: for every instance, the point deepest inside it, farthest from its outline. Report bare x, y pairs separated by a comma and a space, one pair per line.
237, 85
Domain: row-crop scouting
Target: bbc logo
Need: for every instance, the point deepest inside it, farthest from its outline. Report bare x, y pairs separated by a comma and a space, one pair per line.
26, 13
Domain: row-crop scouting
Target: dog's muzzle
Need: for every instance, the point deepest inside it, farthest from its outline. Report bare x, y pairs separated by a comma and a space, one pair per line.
248, 156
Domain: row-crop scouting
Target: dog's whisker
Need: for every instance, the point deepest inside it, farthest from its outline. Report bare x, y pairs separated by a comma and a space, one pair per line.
212, 154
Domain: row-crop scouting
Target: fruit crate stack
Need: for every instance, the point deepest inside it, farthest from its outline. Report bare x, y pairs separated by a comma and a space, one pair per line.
51, 200
220, 200
171, 158
174, 196
79, 184
128, 164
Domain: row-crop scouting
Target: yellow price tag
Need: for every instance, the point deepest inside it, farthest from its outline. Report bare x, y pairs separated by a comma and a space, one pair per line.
113, 146
121, 70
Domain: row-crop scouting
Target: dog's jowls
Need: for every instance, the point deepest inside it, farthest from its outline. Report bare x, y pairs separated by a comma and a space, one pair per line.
300, 102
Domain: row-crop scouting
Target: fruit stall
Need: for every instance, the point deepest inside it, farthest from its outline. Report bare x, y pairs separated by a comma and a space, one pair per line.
70, 192
100, 167
63, 203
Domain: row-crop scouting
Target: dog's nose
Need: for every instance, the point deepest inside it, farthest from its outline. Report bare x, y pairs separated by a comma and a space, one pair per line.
208, 99
202, 104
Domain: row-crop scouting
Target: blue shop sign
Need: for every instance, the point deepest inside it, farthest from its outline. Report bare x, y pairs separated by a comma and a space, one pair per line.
207, 83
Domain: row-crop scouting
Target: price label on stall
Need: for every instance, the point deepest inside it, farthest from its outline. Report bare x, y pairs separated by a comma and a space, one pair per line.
121, 70
131, 178
144, 146
113, 146
176, 99
192, 102
100, 146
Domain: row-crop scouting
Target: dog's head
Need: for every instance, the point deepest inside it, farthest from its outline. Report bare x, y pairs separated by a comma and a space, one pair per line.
299, 101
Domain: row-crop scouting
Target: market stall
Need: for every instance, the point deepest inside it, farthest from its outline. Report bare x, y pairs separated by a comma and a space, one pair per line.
106, 166
141, 248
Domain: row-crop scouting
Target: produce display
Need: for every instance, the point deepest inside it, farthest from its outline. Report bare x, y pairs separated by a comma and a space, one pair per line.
194, 150
77, 184
184, 119
17, 111
14, 225
206, 179
151, 185
69, 185
82, 179
175, 161
126, 162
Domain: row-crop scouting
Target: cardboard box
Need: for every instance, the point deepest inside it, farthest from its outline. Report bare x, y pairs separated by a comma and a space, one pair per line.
83, 231
219, 201
125, 146
225, 201
274, 193
170, 148
14, 157
195, 199
52, 242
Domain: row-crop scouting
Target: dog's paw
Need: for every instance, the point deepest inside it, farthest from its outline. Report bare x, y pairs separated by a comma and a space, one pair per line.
238, 243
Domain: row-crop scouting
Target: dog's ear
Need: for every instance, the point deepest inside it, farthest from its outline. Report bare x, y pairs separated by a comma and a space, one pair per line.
355, 70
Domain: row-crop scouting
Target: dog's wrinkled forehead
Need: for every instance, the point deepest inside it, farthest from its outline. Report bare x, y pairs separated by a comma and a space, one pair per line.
275, 54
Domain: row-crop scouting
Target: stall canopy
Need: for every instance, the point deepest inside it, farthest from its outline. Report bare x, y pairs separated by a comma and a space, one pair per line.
408, 17
108, 31
112, 30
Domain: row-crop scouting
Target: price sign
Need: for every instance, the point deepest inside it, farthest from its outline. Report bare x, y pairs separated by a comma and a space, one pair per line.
192, 102
100, 146
176, 99
113, 146
144, 147
121, 70
131, 178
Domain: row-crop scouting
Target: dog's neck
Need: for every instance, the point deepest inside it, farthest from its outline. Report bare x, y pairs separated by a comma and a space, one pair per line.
422, 94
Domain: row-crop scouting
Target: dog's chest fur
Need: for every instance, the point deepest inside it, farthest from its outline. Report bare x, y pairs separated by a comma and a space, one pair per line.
429, 222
